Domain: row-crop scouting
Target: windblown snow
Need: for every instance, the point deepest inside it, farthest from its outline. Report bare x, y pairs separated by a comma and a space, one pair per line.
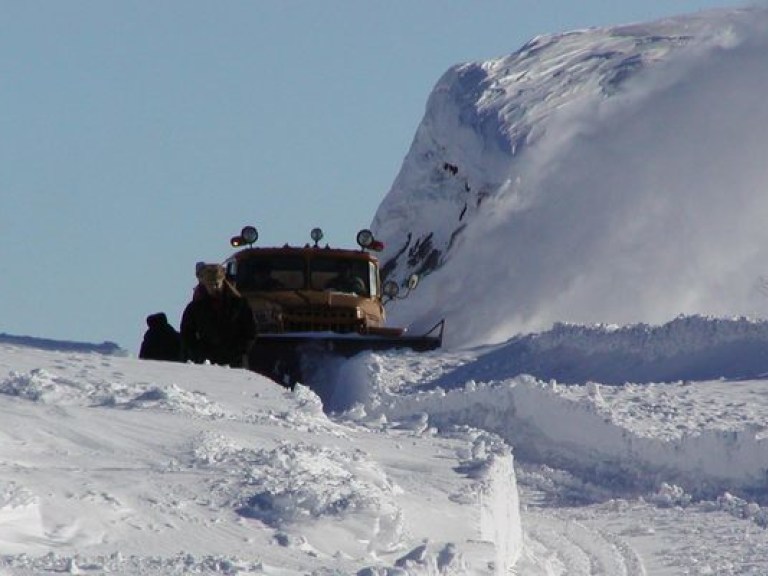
605, 175
587, 215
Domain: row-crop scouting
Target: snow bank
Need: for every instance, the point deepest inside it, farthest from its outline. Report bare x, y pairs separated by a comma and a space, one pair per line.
686, 348
635, 436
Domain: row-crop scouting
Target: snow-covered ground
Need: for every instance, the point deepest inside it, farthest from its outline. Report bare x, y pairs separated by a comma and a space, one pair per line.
401, 463
111, 464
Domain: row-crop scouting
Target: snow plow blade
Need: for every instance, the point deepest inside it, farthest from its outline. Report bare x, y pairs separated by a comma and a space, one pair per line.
283, 357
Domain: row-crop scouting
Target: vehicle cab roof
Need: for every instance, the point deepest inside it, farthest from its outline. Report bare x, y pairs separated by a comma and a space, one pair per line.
306, 252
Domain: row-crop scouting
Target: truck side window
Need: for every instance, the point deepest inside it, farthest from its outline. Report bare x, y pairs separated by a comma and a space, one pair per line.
231, 269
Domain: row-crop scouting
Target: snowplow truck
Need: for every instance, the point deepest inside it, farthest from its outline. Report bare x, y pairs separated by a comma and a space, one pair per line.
313, 300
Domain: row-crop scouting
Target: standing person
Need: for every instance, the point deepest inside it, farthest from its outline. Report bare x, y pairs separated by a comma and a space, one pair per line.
161, 340
217, 325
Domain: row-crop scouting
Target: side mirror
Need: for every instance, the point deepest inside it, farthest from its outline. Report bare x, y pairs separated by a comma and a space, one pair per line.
391, 289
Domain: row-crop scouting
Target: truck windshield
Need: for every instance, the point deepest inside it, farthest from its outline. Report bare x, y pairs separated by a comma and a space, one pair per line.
340, 274
272, 273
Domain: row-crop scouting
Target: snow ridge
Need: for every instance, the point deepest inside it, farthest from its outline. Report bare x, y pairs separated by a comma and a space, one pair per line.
686, 348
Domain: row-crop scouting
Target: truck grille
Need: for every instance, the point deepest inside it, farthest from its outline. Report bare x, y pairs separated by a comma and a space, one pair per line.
319, 320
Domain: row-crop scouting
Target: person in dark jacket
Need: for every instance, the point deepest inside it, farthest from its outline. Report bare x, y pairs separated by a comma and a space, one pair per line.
161, 340
217, 325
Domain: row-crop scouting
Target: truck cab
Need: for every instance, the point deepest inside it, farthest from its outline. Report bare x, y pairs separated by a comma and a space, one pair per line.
311, 288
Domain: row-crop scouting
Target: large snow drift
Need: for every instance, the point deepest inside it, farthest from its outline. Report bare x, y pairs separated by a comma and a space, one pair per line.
607, 175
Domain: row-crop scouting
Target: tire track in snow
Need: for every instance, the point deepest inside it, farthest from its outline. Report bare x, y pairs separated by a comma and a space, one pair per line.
562, 546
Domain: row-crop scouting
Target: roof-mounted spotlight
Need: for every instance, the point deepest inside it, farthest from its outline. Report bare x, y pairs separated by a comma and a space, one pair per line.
316, 234
366, 241
248, 235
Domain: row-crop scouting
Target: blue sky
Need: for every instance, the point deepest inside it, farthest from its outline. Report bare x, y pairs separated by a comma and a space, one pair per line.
137, 137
